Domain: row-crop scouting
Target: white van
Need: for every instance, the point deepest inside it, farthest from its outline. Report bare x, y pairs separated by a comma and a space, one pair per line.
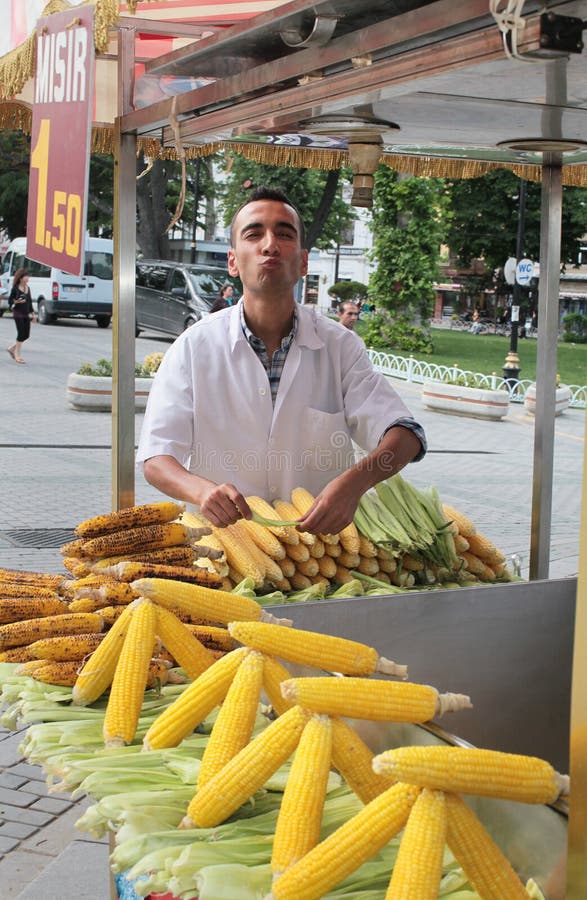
58, 295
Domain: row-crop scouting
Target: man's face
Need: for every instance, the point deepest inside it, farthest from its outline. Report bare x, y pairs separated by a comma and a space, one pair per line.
267, 253
348, 315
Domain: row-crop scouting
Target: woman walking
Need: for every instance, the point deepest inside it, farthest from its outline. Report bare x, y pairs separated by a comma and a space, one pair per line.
21, 304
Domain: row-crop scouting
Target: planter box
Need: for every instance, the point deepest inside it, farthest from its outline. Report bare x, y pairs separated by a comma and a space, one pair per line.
93, 393
562, 399
480, 403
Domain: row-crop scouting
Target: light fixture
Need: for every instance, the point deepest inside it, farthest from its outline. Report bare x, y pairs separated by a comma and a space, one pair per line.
544, 145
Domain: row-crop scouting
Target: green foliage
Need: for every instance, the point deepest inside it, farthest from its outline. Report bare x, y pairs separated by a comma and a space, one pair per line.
575, 325
384, 332
348, 290
103, 367
14, 181
408, 230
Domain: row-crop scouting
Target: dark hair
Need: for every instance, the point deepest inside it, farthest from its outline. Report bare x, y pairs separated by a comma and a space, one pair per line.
344, 304
18, 276
223, 289
263, 192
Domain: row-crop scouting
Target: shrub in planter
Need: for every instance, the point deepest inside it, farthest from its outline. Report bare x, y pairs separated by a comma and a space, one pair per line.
90, 388
467, 395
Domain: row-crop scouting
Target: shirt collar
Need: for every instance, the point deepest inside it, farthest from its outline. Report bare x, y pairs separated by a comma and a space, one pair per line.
306, 334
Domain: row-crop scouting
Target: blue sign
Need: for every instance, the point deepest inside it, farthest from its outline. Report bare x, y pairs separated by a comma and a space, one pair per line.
524, 272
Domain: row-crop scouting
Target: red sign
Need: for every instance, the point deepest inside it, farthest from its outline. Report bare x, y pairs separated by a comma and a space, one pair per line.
60, 139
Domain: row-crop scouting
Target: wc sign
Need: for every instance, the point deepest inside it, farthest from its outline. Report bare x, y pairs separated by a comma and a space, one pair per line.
524, 272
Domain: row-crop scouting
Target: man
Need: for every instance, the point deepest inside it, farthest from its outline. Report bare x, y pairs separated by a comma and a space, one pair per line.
348, 313
268, 395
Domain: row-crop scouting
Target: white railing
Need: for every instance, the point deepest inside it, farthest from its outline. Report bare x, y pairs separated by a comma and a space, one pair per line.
407, 368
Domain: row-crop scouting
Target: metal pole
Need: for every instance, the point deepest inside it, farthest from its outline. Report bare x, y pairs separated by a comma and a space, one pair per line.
197, 165
123, 299
548, 320
511, 367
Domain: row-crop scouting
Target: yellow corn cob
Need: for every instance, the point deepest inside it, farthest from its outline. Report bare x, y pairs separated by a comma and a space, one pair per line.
384, 553
273, 674
131, 517
349, 560
179, 555
366, 547
461, 543
269, 567
368, 566
353, 759
73, 548
311, 648
132, 571
41, 579
177, 638
418, 867
17, 655
327, 567
318, 549
13, 609
300, 582
489, 872
333, 550
51, 672
239, 556
212, 636
28, 630
234, 724
298, 552
342, 575
320, 579
286, 533
76, 567
130, 678
87, 604
159, 674
117, 593
148, 537
473, 564
309, 568
283, 584
300, 814
382, 576
91, 580
10, 589
201, 602
403, 579
288, 512
347, 848
197, 702
246, 772
463, 523
411, 563
349, 538
383, 701
111, 613
98, 671
303, 500
485, 773
67, 648
264, 539
288, 567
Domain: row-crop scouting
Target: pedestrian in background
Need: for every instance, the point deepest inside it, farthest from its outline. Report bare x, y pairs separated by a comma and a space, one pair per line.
21, 304
225, 298
348, 313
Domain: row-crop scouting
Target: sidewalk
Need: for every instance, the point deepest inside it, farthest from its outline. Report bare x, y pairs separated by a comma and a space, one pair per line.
55, 471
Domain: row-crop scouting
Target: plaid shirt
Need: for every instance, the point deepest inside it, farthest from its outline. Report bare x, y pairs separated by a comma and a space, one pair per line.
273, 367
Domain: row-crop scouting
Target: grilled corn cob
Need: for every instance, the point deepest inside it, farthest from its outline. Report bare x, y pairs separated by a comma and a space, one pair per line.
71, 647
180, 555
50, 671
14, 610
41, 579
131, 517
148, 537
23, 591
25, 632
132, 571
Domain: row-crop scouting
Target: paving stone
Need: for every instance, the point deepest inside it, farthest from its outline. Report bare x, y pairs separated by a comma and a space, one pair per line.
34, 773
47, 804
17, 830
27, 816
8, 780
8, 843
9, 754
80, 872
16, 798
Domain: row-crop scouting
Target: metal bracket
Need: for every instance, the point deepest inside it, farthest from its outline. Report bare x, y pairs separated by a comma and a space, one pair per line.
319, 36
562, 33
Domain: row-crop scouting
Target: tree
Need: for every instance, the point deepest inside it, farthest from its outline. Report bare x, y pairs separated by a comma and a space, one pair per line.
349, 290
408, 229
314, 193
14, 181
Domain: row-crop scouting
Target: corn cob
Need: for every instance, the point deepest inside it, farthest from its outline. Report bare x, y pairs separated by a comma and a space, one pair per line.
309, 568
73, 548
476, 566
349, 538
303, 501
418, 867
17, 655
383, 701
212, 637
489, 872
269, 567
382, 576
273, 674
246, 772
333, 550
13, 609
320, 579
264, 539
300, 814
197, 702
463, 523
288, 512
50, 672
298, 552
288, 567
211, 605
387, 565
17, 591
313, 649
159, 674
347, 848
149, 537
131, 571
485, 773
368, 566
130, 677
353, 760
92, 580
117, 593
235, 721
300, 582
461, 543
318, 549
87, 604
286, 533
283, 584
41, 579
239, 556
349, 560
28, 630
67, 648
343, 575
187, 650
412, 564
366, 547
179, 555
76, 567
111, 613
130, 517
98, 671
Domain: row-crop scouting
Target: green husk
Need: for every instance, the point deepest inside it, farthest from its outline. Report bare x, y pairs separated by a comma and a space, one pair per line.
274, 523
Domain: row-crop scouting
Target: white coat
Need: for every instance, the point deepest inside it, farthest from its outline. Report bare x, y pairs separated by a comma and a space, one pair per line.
210, 406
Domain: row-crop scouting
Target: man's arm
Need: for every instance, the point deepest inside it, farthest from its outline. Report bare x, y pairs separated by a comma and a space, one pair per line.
335, 506
222, 504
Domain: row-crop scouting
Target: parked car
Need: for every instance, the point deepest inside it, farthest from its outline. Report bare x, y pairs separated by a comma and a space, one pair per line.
171, 296
59, 295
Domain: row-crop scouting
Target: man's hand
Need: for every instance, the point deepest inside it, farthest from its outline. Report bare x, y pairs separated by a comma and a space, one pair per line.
334, 507
223, 504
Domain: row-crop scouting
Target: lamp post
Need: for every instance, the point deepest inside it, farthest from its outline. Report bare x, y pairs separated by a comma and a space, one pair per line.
511, 366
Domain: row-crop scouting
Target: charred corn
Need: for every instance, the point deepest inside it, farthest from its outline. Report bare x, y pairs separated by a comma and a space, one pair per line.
71, 647
149, 537
132, 571
51, 672
25, 632
131, 517
41, 579
179, 555
15, 610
